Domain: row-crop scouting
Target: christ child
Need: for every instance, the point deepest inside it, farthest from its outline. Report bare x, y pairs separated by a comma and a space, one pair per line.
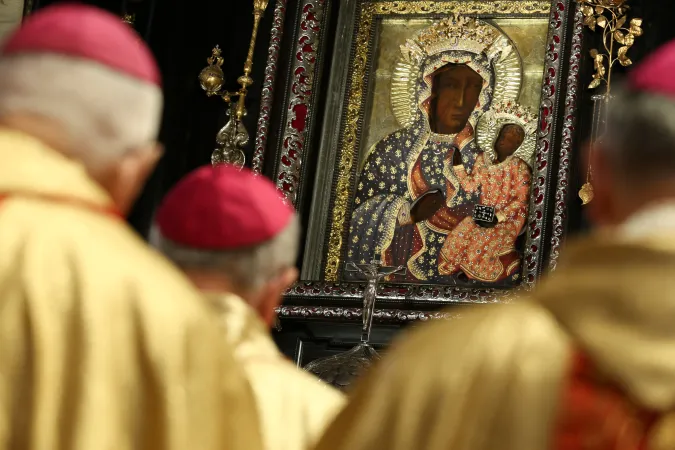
483, 246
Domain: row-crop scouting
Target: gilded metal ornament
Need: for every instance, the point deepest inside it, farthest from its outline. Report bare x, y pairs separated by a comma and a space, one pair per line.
129, 19
586, 193
458, 33
211, 78
233, 137
618, 36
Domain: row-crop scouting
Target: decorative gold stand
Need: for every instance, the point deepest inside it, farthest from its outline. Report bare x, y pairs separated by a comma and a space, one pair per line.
618, 37
233, 136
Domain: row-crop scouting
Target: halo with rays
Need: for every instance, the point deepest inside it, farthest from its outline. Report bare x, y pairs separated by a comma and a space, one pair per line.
457, 34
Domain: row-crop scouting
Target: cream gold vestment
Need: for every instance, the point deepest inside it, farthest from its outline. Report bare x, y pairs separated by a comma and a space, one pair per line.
295, 407
499, 378
103, 344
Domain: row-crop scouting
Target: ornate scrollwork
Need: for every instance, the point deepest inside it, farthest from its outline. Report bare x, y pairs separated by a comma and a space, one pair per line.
617, 34
385, 316
561, 193
301, 94
276, 35
308, 291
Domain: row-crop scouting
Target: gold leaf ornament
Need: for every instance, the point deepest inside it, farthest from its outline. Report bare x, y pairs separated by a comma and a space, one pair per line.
590, 22
601, 21
621, 22
600, 66
623, 59
619, 37
587, 10
636, 27
586, 193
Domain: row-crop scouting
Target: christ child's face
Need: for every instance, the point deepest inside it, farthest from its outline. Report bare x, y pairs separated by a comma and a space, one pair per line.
456, 89
510, 138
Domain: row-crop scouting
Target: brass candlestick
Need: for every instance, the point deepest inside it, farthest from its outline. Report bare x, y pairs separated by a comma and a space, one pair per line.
618, 36
233, 136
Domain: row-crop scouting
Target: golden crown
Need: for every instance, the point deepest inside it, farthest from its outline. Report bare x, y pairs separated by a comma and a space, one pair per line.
456, 33
520, 114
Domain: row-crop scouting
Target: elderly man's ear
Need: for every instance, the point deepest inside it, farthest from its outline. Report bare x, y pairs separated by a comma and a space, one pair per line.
272, 293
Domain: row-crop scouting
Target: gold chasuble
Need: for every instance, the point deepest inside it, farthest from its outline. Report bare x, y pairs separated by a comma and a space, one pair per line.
588, 362
294, 406
103, 345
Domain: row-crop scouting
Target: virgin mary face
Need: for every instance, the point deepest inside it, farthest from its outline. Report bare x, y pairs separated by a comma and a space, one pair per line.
455, 92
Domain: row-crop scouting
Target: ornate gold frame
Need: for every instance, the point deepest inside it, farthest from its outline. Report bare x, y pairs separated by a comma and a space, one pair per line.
357, 91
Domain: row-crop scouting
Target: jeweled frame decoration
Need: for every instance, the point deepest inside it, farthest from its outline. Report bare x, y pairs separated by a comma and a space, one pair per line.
267, 94
542, 241
300, 98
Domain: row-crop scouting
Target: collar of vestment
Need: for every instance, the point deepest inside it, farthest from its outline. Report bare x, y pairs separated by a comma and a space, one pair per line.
614, 292
32, 169
244, 329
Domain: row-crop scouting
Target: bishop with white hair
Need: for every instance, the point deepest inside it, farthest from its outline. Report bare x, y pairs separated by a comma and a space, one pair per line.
103, 344
237, 240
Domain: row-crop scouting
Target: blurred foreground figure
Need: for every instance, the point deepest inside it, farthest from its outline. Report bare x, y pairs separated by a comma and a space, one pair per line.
232, 234
103, 345
588, 361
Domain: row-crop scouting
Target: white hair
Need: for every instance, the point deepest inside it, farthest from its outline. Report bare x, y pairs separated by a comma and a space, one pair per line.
249, 268
640, 139
106, 113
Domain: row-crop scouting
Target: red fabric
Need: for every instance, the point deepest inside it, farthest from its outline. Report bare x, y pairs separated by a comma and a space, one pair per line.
86, 32
108, 211
222, 208
595, 415
653, 73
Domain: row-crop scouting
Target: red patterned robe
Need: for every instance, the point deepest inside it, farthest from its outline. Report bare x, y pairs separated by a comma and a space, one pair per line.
489, 254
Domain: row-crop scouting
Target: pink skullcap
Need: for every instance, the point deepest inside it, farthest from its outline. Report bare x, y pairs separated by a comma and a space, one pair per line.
222, 208
86, 32
655, 73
